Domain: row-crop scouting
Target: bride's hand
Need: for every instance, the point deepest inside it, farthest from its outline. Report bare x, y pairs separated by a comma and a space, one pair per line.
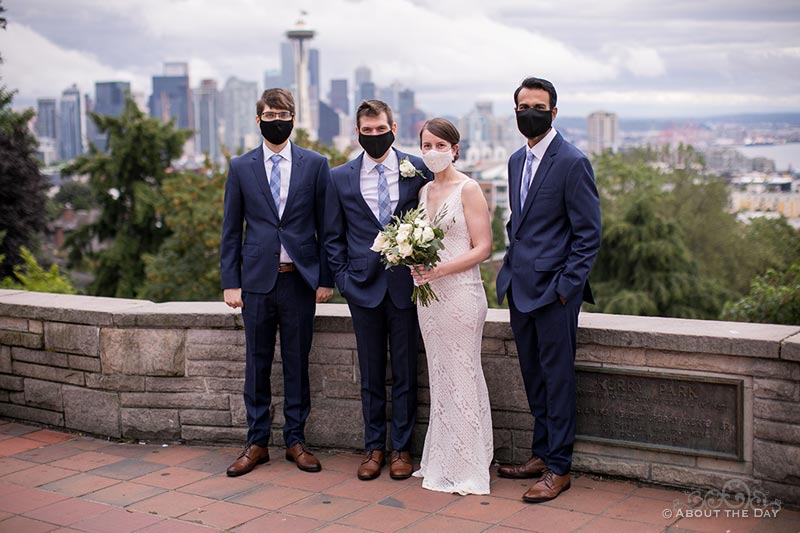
418, 273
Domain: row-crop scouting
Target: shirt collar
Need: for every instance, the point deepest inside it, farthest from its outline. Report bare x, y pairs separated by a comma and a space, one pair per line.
286, 153
390, 163
541, 147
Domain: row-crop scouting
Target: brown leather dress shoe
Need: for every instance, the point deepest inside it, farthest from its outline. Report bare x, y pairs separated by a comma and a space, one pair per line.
370, 467
532, 468
251, 455
400, 466
303, 458
547, 488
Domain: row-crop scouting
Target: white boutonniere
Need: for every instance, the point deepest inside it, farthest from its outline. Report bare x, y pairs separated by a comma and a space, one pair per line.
408, 170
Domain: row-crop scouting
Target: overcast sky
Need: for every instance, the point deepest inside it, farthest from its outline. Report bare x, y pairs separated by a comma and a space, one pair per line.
639, 58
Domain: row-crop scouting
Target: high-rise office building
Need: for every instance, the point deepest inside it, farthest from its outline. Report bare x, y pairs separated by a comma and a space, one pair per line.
287, 65
171, 96
338, 96
109, 100
366, 91
70, 131
274, 79
408, 116
205, 113
46, 118
329, 126
313, 87
363, 75
603, 130
239, 103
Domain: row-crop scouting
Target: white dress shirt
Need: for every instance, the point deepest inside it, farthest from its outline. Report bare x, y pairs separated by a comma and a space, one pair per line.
369, 180
286, 174
538, 153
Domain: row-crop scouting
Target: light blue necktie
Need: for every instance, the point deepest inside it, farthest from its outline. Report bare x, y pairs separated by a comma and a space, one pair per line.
384, 200
275, 180
526, 179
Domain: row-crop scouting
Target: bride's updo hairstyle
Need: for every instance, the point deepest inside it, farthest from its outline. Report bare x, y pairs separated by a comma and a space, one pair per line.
444, 129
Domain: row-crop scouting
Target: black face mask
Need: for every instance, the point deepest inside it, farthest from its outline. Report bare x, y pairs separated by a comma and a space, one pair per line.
376, 145
534, 122
276, 131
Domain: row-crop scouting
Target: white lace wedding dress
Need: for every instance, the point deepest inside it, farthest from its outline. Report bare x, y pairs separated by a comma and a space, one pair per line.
458, 445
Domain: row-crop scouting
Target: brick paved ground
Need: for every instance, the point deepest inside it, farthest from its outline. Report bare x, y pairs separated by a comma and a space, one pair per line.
53, 481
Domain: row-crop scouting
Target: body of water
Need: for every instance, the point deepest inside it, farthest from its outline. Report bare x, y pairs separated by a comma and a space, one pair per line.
784, 155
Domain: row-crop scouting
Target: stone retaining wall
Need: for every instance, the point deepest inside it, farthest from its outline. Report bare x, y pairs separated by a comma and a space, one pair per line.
174, 371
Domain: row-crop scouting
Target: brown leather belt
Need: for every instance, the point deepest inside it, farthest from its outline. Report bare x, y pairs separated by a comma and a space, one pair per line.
285, 267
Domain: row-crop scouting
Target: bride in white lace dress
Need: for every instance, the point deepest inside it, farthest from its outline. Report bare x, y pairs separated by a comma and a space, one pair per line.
458, 445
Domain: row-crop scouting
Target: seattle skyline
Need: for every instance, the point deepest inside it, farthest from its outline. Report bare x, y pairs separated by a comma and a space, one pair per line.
637, 59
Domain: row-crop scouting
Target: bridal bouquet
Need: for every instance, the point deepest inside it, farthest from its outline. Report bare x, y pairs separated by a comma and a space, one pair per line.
412, 240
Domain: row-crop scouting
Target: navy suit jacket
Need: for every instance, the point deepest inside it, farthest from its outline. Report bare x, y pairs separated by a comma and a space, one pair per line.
252, 265
350, 230
553, 238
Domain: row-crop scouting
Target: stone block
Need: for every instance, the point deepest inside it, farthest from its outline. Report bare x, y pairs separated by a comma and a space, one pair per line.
5, 359
333, 318
790, 348
4, 396
174, 400
597, 353
342, 341
776, 431
777, 389
143, 352
92, 411
610, 465
179, 314
80, 362
117, 383
776, 462
214, 434
215, 352
48, 373
175, 385
332, 356
11, 323
503, 446
506, 390
36, 326
40, 357
511, 349
786, 494
235, 385
341, 388
202, 417
215, 337
32, 414
633, 454
220, 369
19, 338
150, 424
66, 307
239, 411
679, 476
43, 394
336, 423
493, 346
72, 338
512, 419
12, 383
498, 324
710, 362
734, 467
775, 410
16, 397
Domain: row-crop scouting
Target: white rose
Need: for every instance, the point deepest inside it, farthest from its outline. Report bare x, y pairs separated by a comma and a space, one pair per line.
418, 234
378, 243
427, 234
407, 169
405, 250
392, 258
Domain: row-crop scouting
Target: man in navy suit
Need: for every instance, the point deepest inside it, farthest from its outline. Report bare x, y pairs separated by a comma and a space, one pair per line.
362, 196
554, 236
276, 274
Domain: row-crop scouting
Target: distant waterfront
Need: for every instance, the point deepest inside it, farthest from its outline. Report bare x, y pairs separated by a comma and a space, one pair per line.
783, 154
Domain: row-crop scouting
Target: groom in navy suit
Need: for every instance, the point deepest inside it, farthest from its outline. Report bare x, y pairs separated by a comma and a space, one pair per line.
276, 274
362, 196
554, 236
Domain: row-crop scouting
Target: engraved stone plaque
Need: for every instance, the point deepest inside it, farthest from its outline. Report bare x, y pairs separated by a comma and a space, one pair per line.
678, 413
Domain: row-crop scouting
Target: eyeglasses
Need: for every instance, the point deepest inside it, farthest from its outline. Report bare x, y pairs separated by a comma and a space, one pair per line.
271, 115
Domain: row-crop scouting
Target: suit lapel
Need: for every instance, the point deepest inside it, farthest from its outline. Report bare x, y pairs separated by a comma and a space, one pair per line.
541, 173
404, 184
515, 168
297, 176
260, 176
354, 180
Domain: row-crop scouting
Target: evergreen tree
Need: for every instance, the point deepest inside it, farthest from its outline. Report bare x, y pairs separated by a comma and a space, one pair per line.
186, 266
22, 187
126, 181
498, 231
774, 298
77, 195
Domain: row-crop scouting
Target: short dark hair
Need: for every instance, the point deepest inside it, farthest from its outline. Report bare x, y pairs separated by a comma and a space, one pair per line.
537, 83
444, 129
276, 99
373, 108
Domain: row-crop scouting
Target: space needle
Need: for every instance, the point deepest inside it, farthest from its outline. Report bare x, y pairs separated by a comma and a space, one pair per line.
299, 34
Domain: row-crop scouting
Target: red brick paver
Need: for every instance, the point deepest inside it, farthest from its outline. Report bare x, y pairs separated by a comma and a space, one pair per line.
57, 481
